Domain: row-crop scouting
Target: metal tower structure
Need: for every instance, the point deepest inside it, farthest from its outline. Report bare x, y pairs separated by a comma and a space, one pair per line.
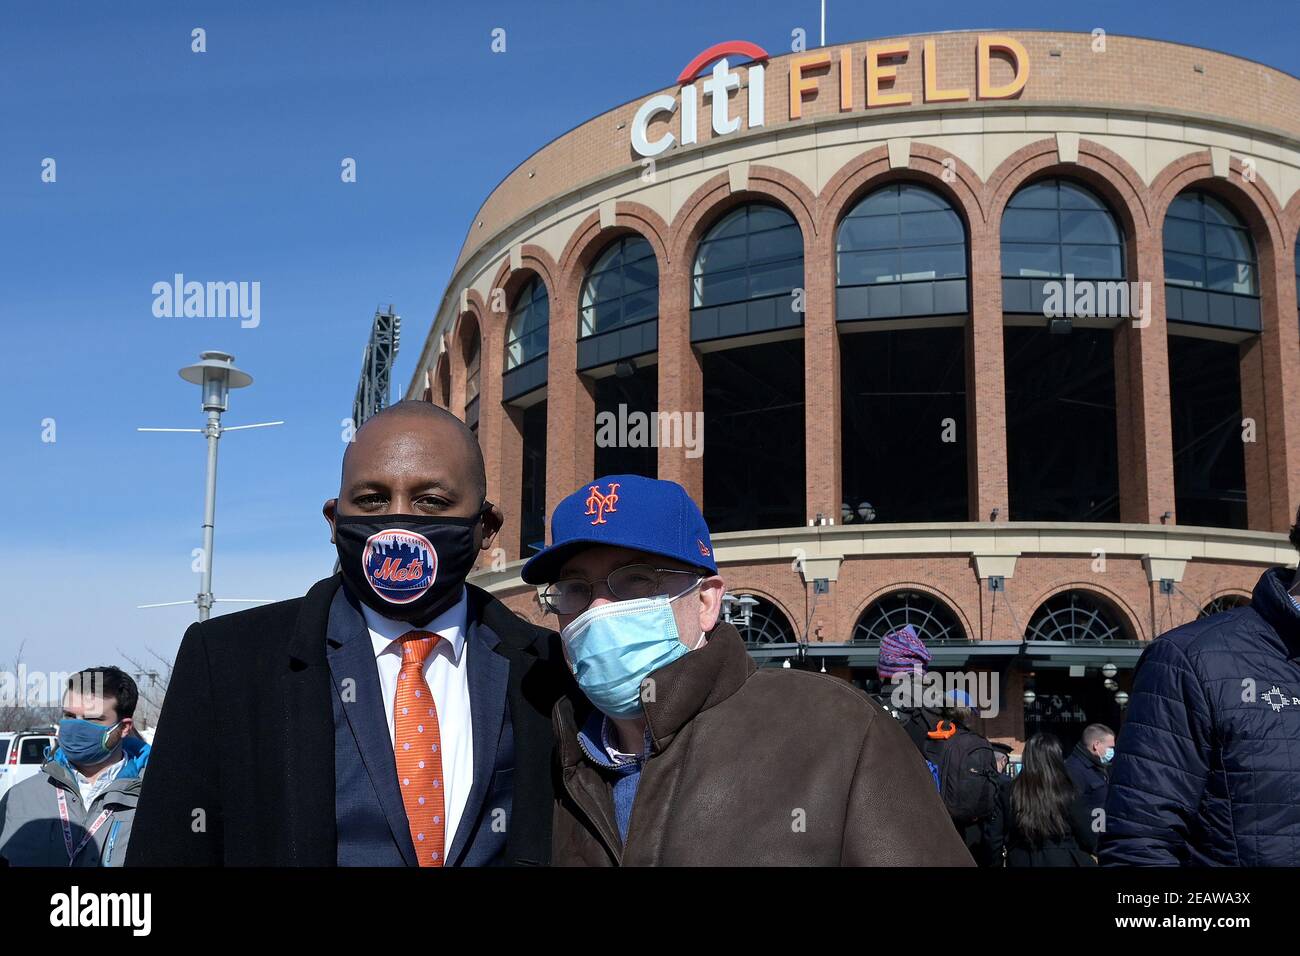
377, 366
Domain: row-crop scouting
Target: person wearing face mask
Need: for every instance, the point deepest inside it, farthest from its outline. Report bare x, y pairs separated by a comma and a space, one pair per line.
1089, 767
1205, 763
80, 809
683, 753
395, 716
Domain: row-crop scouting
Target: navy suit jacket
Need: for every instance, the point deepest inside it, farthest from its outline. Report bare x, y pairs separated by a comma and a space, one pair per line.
369, 813
252, 765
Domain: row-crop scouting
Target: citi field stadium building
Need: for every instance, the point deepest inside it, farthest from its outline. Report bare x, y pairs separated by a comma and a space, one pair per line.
992, 334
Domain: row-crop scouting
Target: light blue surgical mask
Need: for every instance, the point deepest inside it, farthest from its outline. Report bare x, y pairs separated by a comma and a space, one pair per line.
85, 742
614, 647
1109, 755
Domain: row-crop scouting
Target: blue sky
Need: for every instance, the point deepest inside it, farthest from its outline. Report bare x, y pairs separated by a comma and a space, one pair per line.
225, 166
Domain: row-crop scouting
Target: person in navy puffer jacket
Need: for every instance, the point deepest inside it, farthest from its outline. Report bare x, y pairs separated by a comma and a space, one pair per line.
1207, 764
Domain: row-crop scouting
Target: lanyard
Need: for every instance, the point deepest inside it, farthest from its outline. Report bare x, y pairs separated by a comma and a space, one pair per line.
67, 828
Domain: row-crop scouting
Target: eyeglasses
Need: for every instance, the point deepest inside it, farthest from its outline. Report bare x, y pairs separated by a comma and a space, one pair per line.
574, 595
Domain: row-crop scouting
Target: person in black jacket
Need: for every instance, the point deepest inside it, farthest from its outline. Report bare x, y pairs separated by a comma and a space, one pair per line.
1205, 765
1089, 767
393, 716
1049, 821
996, 826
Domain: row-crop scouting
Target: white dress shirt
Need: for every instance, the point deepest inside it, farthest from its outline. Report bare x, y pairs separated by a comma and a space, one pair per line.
91, 788
446, 671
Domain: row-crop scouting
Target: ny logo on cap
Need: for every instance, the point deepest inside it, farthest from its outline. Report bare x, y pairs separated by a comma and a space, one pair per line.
598, 504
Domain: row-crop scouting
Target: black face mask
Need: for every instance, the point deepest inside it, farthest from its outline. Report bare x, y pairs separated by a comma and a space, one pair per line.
405, 567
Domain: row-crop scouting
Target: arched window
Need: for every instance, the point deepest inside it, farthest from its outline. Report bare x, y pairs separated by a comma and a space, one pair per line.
753, 252
1297, 271
1074, 617
1224, 602
765, 624
526, 333
442, 378
472, 364
900, 233
621, 289
931, 619
1208, 247
473, 348
1054, 228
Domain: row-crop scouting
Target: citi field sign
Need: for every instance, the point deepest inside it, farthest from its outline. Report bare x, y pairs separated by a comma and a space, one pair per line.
883, 64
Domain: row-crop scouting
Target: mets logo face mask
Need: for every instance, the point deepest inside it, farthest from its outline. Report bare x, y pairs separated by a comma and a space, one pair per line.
405, 567
400, 565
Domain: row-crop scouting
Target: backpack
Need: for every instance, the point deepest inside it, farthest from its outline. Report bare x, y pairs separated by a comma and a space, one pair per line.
964, 761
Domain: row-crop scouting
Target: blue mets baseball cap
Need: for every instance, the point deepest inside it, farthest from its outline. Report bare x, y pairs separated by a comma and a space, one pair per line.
625, 511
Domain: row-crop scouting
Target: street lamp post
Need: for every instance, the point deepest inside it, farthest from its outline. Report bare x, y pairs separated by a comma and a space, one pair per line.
216, 374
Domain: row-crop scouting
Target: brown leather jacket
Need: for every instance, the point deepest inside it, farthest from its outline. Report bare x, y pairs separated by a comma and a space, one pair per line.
753, 767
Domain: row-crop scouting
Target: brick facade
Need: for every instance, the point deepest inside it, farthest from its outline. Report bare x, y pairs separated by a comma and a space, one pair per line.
1163, 79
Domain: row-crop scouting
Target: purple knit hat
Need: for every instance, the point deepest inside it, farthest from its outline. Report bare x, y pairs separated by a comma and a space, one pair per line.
900, 652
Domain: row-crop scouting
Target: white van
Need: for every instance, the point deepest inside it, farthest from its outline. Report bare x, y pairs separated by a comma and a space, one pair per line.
24, 754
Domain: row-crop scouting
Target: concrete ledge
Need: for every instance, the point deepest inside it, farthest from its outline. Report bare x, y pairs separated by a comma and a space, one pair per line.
1163, 548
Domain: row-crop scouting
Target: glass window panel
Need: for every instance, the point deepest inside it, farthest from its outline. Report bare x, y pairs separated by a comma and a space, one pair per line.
919, 199
1019, 259
776, 244
1185, 206
775, 278
938, 262
868, 268
1227, 243
1214, 252
768, 217
1080, 225
721, 288
640, 305
879, 203
1221, 275
542, 305
525, 347
1092, 262
607, 315
1216, 212
1247, 283
530, 319
931, 228
1184, 236
732, 224
1182, 269
1031, 225
535, 344
1080, 197
607, 285
634, 250
609, 259
1037, 196
719, 254
1226, 276
872, 232
641, 275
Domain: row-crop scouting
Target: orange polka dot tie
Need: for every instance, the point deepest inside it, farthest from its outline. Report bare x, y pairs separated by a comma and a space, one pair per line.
419, 751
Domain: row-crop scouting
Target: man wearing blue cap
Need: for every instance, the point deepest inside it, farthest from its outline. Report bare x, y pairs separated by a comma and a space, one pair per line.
688, 754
